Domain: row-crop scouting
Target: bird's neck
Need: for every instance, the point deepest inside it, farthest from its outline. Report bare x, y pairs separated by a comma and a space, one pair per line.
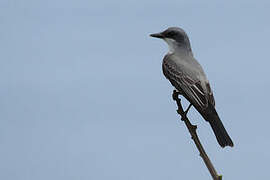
178, 48
181, 51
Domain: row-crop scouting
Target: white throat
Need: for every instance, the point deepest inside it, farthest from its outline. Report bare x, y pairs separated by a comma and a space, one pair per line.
172, 44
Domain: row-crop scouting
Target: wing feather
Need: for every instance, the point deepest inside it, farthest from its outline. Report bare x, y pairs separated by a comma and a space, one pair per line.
182, 81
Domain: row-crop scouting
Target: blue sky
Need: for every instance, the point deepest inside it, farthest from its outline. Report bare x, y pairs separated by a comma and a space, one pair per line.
83, 95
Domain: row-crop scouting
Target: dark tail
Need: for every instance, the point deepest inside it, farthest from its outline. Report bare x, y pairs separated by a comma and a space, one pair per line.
222, 136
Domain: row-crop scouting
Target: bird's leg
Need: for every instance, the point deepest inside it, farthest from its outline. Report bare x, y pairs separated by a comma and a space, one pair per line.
180, 110
176, 93
187, 109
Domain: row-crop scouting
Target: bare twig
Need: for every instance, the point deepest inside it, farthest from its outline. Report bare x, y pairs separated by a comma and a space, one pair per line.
194, 136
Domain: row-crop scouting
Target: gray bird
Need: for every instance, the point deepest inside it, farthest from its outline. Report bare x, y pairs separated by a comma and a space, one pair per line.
187, 76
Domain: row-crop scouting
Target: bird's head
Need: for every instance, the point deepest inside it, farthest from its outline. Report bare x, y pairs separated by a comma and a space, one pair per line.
175, 37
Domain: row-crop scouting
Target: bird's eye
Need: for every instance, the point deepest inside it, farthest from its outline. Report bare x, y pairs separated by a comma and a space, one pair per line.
171, 34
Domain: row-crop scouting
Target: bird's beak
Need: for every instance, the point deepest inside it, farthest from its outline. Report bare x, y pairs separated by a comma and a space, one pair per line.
157, 35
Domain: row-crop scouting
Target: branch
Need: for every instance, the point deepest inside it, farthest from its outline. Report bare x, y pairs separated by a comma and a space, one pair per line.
194, 136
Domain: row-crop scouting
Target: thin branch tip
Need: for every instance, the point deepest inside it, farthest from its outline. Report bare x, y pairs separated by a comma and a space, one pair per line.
192, 130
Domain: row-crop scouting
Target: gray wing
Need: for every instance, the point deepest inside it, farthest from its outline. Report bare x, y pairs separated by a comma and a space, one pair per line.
191, 87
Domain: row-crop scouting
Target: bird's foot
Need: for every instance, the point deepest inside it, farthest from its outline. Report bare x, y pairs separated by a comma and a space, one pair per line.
176, 93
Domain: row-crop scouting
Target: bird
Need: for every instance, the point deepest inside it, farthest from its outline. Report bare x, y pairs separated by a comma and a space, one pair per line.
188, 77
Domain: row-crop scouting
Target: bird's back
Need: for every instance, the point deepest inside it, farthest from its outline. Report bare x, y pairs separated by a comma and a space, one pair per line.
188, 65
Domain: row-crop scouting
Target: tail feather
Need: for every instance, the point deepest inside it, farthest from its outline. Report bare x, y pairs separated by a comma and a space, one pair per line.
221, 134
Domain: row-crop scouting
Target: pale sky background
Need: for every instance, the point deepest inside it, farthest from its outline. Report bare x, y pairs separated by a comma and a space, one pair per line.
82, 95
